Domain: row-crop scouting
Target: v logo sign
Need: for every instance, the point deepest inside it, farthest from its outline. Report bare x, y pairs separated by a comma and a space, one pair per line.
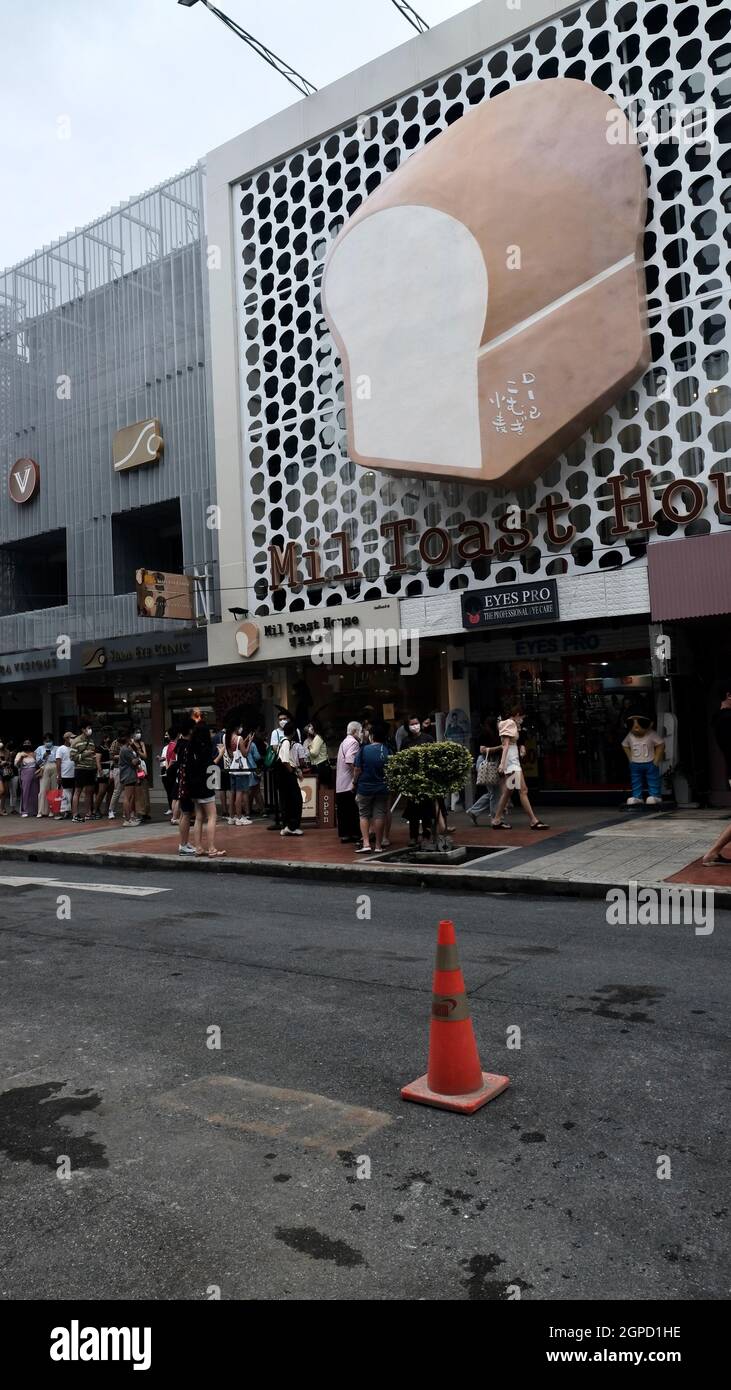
23, 482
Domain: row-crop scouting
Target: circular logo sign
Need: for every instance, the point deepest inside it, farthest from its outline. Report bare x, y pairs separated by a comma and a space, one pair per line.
24, 480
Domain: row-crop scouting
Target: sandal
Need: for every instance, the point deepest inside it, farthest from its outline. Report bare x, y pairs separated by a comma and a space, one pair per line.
539, 825
501, 825
216, 853
717, 859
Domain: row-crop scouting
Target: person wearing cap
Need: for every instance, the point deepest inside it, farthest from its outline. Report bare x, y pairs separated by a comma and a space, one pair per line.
645, 751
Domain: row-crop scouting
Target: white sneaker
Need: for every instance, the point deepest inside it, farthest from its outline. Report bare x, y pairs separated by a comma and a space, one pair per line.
230, 821
633, 801
285, 832
169, 812
112, 815
186, 849
244, 820
654, 801
127, 823
295, 832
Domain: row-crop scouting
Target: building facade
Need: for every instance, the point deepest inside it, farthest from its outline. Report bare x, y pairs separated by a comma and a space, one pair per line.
651, 471
104, 337
599, 587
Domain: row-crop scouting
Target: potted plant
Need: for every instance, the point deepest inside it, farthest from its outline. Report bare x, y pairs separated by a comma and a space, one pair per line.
430, 772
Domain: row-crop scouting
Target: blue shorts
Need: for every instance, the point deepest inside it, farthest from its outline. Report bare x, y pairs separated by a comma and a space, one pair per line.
242, 781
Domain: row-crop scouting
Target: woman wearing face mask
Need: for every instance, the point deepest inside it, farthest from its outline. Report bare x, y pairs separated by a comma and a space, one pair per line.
512, 773
29, 776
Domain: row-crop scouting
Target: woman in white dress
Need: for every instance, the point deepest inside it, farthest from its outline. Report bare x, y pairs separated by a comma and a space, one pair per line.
512, 773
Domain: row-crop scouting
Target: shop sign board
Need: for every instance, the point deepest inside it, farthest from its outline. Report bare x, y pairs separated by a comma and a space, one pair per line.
127, 653
162, 595
508, 604
24, 480
31, 666
296, 633
569, 641
137, 444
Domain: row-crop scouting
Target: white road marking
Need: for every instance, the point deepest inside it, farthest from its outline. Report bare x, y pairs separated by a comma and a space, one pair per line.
118, 888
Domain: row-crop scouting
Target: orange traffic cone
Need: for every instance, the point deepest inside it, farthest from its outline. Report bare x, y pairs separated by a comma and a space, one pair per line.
455, 1080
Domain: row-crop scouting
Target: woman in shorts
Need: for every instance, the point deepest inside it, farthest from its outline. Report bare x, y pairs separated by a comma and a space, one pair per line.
240, 777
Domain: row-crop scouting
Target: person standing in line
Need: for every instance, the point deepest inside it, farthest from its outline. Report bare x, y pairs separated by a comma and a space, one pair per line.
371, 789
288, 779
402, 734
46, 761
346, 810
65, 776
316, 750
200, 789
240, 776
86, 764
512, 773
5, 770
29, 774
428, 732
721, 725
162, 764
277, 733
13, 779
185, 803
129, 762
104, 779
257, 753
114, 774
171, 775
142, 790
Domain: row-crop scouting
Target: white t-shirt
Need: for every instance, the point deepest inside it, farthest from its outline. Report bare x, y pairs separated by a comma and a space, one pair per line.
642, 747
68, 767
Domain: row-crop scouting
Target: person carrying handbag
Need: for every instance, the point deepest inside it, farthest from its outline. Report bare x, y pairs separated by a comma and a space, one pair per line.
487, 780
511, 773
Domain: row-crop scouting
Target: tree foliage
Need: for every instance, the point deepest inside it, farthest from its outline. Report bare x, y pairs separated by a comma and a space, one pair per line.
428, 770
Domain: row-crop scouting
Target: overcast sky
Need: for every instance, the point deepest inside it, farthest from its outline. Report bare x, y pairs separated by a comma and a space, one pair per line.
145, 87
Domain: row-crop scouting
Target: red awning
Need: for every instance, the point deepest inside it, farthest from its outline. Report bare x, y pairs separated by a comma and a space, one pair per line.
690, 578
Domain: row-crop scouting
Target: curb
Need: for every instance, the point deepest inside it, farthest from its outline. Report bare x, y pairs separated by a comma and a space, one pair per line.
465, 881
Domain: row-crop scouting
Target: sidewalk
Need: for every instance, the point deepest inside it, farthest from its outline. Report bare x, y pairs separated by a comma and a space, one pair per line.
584, 853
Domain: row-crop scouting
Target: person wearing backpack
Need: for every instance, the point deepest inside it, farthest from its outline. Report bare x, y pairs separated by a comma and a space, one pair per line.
371, 789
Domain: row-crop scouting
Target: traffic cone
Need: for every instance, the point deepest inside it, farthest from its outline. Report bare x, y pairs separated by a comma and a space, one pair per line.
455, 1080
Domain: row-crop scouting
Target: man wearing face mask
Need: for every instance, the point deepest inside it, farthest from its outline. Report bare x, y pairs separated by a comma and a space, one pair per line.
87, 767
46, 760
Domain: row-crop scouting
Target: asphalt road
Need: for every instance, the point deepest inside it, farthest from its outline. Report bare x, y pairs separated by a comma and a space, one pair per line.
194, 1169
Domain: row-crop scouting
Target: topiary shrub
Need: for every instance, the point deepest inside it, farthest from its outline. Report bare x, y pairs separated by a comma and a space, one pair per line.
428, 772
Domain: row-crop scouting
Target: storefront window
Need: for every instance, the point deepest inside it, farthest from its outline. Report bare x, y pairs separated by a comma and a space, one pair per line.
575, 713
